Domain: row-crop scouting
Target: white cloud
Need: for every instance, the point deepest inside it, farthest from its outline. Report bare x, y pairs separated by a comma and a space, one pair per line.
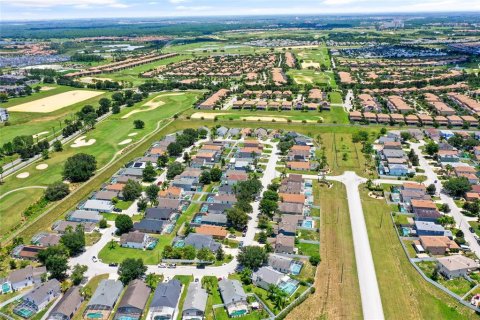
177, 1
73, 3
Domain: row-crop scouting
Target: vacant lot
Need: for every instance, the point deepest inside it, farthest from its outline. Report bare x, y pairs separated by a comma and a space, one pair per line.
56, 102
337, 294
404, 293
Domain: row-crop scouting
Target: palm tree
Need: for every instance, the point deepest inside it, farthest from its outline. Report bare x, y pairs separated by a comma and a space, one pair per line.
151, 280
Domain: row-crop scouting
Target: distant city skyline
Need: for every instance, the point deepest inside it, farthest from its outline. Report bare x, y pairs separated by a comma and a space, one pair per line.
76, 9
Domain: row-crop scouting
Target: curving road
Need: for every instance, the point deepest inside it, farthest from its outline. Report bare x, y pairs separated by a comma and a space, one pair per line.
22, 188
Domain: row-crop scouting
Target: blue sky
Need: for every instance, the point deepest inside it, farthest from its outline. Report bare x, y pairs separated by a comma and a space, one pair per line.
68, 9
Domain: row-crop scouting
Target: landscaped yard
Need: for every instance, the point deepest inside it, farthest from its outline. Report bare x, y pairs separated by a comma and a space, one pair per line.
308, 249
459, 286
91, 286
309, 235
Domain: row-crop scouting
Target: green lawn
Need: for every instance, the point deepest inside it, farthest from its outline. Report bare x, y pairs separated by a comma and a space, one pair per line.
476, 226
151, 257
308, 235
123, 205
92, 286
460, 286
308, 249
402, 289
107, 134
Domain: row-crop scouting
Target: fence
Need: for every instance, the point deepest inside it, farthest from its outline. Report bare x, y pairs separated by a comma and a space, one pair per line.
436, 284
282, 314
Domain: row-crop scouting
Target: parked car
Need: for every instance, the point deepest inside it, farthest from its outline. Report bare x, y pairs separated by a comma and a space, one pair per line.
471, 230
113, 264
162, 265
94, 259
117, 210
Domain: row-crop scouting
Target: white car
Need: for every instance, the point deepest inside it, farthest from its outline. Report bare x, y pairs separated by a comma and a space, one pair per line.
94, 259
162, 265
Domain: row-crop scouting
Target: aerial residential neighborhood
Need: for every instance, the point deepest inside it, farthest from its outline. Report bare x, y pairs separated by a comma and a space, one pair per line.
202, 160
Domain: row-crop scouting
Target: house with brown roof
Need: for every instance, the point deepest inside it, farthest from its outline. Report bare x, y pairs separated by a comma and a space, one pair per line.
438, 245
456, 266
370, 117
472, 121
171, 193
425, 210
397, 118
455, 120
441, 120
301, 165
133, 301
383, 118
293, 198
283, 244
214, 231
412, 119
355, 116
397, 104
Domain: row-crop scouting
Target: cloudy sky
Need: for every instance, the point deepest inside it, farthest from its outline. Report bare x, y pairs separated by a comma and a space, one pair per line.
68, 9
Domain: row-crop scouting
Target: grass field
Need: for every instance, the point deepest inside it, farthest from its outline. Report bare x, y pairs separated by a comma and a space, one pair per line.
337, 294
335, 115
402, 289
314, 77
132, 76
31, 123
107, 134
317, 55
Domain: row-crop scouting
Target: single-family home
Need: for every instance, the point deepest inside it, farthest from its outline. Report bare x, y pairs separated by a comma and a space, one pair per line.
67, 306
134, 239
195, 302
103, 300
200, 241
438, 245
284, 244
98, 205
234, 297
266, 277
165, 300
427, 228
149, 226
84, 216
133, 301
38, 298
425, 210
216, 232
21, 278
456, 266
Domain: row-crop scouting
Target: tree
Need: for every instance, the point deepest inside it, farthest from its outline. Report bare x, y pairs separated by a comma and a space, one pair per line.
186, 158
103, 223
56, 191
431, 189
139, 124
219, 254
149, 174
123, 223
262, 237
131, 269
79, 167
446, 220
45, 154
205, 177
162, 160
55, 259
174, 169
151, 280
271, 195
216, 174
152, 193
237, 218
246, 276
457, 186
314, 259
74, 240
445, 208
204, 254
252, 257
132, 190
268, 207
456, 141
142, 204
77, 273
431, 148
405, 135
174, 149
116, 109
57, 146
284, 146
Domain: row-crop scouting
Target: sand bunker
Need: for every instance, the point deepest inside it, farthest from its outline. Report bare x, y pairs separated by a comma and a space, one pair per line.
133, 134
42, 166
39, 134
23, 175
93, 79
81, 142
277, 119
152, 104
55, 102
44, 88
205, 115
126, 141
306, 65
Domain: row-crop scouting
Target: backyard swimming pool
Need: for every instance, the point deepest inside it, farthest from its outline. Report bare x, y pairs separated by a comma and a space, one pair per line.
288, 287
295, 268
308, 224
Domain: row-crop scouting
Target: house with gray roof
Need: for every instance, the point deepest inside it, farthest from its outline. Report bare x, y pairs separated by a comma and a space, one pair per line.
214, 219
280, 263
105, 195
200, 241
165, 300
134, 301
61, 226
45, 239
187, 184
222, 131
195, 302
98, 205
134, 239
84, 216
132, 172
104, 298
164, 214
21, 278
266, 277
149, 226
234, 297
68, 305
234, 132
290, 208
37, 299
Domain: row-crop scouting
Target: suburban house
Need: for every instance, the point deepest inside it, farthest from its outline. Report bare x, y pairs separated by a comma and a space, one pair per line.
280, 263
165, 300
438, 245
149, 226
134, 239
68, 305
288, 225
425, 210
267, 276
21, 278
283, 244
195, 302
215, 231
456, 266
164, 214
133, 301
98, 205
234, 297
413, 191
427, 228
171, 193
27, 252
84, 216
37, 299
61, 226
292, 198
200, 241
448, 155
103, 300
290, 208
